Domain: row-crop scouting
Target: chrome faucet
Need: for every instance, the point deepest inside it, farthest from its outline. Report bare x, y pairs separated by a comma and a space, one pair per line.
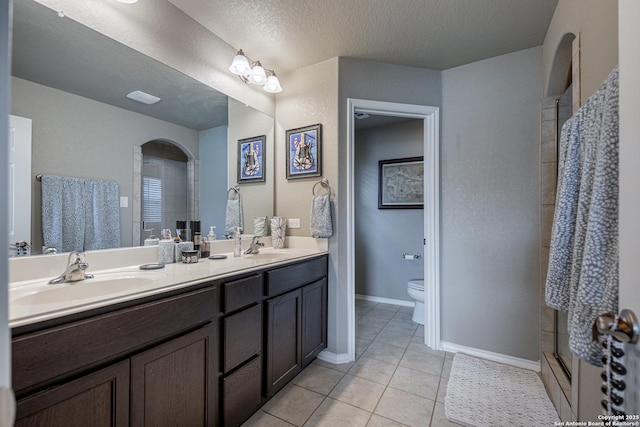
254, 247
76, 266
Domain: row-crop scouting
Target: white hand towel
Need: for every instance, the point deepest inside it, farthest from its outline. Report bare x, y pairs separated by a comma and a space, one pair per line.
321, 222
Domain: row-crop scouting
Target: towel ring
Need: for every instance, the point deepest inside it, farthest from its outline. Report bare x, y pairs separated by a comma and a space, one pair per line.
324, 183
236, 189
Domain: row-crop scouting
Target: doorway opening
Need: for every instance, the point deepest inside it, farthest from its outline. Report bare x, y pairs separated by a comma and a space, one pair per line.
430, 118
164, 174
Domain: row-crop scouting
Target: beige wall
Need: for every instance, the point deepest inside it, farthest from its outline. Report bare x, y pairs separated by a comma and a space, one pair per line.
310, 97
77, 136
596, 23
257, 198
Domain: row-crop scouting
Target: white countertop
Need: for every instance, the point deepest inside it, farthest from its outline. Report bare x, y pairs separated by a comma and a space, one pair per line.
34, 300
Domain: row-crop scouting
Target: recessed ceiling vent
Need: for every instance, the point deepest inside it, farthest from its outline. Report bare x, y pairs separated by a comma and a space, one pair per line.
143, 97
361, 116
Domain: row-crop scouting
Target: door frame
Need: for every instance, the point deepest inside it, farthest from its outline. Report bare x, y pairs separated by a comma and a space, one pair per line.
431, 139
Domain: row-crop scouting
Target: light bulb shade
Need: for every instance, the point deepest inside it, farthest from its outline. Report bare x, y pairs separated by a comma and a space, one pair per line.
240, 65
258, 75
272, 85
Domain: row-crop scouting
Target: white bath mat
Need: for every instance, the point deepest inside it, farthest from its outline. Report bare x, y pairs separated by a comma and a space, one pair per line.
485, 393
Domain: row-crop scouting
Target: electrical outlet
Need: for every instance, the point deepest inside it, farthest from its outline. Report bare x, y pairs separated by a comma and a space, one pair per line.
124, 202
294, 223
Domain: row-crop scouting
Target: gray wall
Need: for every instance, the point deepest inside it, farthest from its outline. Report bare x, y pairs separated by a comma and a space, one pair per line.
379, 82
490, 197
213, 178
77, 136
383, 235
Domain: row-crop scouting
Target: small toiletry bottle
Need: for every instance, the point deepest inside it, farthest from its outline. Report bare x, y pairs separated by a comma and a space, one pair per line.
205, 250
151, 240
212, 233
237, 240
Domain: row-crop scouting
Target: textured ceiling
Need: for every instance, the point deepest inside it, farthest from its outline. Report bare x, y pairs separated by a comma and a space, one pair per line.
436, 34
284, 34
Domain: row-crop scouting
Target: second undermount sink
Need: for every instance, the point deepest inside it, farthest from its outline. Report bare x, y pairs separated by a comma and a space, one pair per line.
102, 285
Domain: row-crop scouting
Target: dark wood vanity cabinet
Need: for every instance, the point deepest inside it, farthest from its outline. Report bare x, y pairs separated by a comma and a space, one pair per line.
207, 355
151, 364
296, 325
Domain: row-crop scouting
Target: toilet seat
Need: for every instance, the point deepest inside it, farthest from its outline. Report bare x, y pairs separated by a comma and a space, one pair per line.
418, 285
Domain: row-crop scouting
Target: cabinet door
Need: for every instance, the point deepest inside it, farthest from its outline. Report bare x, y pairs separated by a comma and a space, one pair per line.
97, 399
284, 347
314, 320
174, 384
242, 393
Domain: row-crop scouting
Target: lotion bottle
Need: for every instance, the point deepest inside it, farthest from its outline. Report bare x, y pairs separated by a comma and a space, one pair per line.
237, 241
212, 233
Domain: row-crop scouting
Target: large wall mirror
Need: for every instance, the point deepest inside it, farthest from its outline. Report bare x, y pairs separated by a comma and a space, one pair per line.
72, 82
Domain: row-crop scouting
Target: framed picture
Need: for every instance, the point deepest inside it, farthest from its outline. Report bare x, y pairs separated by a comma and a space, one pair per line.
251, 152
401, 183
304, 147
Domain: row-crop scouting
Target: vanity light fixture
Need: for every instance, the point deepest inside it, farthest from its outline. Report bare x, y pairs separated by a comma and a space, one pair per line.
255, 73
143, 97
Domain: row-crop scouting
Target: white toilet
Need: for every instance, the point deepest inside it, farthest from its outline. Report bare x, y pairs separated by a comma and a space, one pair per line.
415, 288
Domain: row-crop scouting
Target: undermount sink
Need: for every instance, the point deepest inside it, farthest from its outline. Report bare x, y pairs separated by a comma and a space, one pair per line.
100, 286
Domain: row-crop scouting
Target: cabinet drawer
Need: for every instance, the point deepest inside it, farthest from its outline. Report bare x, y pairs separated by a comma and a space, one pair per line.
242, 334
241, 293
43, 357
241, 393
284, 279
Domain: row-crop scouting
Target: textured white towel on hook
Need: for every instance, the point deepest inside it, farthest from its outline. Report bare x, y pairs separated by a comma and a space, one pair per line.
233, 217
321, 220
583, 261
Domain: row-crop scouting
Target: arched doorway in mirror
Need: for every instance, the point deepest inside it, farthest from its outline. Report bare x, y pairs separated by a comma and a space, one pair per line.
165, 175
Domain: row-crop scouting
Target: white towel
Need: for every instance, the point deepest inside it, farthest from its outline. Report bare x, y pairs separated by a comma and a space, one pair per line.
102, 226
233, 217
63, 218
260, 226
583, 263
321, 222
80, 214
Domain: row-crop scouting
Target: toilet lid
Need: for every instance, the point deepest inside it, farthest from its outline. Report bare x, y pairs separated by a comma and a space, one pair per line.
418, 285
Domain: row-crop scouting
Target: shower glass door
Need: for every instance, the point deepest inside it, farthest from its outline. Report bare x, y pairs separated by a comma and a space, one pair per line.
562, 353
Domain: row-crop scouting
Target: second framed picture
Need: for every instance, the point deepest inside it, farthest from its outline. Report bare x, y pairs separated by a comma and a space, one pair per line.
251, 153
304, 147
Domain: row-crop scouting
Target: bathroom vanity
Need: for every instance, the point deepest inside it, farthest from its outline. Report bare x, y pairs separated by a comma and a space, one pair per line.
206, 353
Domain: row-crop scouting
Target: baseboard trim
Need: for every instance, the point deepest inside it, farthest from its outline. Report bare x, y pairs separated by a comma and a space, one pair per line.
335, 358
489, 355
385, 300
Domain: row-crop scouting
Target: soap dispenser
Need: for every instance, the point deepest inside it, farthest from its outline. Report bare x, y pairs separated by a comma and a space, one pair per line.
151, 240
237, 242
212, 233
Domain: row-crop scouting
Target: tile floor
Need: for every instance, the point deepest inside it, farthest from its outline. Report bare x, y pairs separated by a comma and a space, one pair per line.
395, 381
